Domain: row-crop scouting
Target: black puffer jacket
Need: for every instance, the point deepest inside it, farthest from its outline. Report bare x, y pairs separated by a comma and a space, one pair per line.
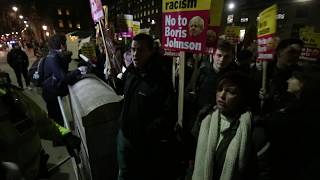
149, 103
17, 59
293, 132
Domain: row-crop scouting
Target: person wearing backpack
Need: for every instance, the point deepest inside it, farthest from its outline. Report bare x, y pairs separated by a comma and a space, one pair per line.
19, 62
56, 77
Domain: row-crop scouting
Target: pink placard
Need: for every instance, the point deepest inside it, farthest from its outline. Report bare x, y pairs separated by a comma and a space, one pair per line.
185, 31
96, 10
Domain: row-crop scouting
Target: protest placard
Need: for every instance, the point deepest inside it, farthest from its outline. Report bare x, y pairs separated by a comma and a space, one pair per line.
185, 24
267, 25
96, 10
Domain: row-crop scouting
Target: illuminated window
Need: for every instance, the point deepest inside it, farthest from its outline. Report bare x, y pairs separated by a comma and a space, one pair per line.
148, 12
230, 19
148, 19
67, 12
59, 11
61, 24
152, 2
78, 26
141, 21
244, 20
157, 11
152, 12
144, 13
70, 24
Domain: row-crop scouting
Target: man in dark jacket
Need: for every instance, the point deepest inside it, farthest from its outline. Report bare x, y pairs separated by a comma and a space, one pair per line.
19, 62
223, 62
146, 120
56, 76
279, 71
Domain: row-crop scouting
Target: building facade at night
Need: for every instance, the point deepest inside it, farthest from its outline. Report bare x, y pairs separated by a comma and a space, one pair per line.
147, 12
292, 15
65, 16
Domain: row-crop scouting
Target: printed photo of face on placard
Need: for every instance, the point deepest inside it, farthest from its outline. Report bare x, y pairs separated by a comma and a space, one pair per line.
196, 26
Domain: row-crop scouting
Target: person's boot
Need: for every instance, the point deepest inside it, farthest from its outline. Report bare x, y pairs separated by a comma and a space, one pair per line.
43, 169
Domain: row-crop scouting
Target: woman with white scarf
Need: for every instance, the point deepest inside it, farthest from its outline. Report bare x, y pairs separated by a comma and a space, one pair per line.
229, 146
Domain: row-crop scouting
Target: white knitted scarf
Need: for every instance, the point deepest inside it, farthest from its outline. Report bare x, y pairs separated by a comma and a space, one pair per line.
207, 145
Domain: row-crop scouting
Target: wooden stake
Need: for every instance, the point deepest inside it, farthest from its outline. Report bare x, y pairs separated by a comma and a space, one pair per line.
108, 63
181, 87
264, 81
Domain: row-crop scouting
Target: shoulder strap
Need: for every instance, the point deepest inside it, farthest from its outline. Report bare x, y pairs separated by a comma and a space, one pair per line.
40, 61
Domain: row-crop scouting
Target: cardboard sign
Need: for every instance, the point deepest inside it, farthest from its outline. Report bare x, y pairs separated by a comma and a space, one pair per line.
267, 25
311, 49
125, 24
88, 49
185, 24
232, 34
96, 10
135, 27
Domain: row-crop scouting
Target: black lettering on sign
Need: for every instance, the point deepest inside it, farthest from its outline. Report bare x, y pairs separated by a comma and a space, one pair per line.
181, 4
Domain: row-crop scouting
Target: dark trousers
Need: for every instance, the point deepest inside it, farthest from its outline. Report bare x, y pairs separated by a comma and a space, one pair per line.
24, 72
54, 111
145, 161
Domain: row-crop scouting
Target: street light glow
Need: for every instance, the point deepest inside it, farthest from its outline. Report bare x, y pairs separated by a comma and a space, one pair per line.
44, 27
47, 34
153, 21
231, 6
27, 25
25, 22
14, 8
21, 17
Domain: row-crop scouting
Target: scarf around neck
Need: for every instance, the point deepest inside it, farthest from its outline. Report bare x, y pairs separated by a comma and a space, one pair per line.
236, 155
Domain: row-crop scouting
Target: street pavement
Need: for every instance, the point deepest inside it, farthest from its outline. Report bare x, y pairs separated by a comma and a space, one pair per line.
57, 154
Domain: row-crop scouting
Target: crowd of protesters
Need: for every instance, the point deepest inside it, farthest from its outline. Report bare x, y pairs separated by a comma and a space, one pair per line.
227, 133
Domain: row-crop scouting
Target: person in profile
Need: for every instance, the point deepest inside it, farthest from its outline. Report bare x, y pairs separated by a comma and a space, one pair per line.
196, 26
211, 38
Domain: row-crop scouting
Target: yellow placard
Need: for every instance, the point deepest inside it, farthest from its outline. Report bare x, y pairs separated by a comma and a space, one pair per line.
215, 12
267, 23
88, 49
232, 34
136, 27
310, 39
185, 5
233, 31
